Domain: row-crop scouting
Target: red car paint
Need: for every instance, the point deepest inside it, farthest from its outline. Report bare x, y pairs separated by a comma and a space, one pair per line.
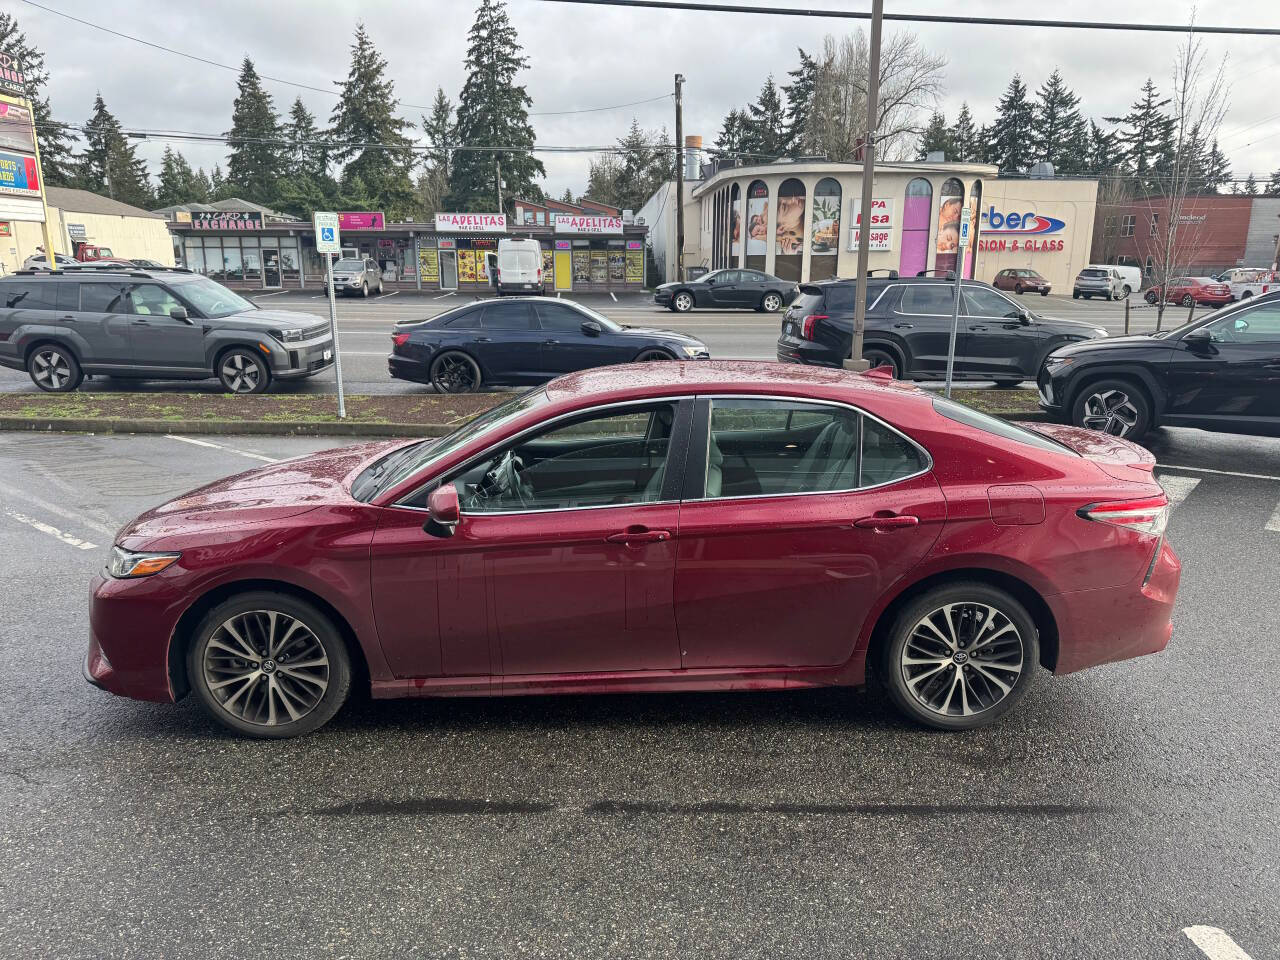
750, 593
1211, 294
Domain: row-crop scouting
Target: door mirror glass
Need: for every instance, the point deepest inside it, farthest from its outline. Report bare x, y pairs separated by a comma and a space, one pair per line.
1198, 338
591, 328
442, 505
179, 313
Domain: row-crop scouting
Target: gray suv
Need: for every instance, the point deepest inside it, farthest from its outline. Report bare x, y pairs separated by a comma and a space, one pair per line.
356, 275
158, 324
1103, 282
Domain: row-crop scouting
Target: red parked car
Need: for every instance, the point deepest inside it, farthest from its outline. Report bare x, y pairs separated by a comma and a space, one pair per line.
1019, 279
1188, 290
658, 526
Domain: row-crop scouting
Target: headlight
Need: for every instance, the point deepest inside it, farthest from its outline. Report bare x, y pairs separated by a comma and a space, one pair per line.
287, 336
690, 351
127, 563
1057, 363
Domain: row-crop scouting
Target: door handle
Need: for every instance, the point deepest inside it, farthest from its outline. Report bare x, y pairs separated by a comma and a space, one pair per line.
884, 523
551, 341
484, 339
143, 323
630, 537
68, 318
903, 326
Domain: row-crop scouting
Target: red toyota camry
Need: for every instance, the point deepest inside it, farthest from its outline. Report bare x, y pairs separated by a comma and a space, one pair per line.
661, 526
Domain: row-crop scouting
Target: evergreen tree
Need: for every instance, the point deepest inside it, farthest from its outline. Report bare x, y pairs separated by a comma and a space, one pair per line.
306, 185
202, 186
1273, 185
109, 165
433, 182
55, 139
178, 182
218, 188
372, 145
765, 135
732, 132
567, 197
493, 111
799, 93
1058, 132
1103, 153
1011, 135
1217, 172
1250, 186
1146, 136
935, 137
604, 179
255, 161
964, 138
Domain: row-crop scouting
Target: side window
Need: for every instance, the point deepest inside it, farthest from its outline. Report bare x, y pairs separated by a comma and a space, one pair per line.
102, 298
840, 299
464, 321
927, 298
753, 276
1259, 325
29, 296
556, 316
887, 455
152, 300
613, 458
725, 277
981, 302
507, 316
68, 297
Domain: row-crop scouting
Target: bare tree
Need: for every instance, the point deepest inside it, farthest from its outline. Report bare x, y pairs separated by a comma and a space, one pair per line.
910, 86
1115, 197
1200, 100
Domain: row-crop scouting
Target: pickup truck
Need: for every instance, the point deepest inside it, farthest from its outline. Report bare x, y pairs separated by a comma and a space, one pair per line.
1264, 281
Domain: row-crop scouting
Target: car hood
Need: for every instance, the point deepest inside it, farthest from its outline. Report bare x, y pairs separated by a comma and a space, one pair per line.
1111, 344
275, 492
652, 332
268, 320
1077, 328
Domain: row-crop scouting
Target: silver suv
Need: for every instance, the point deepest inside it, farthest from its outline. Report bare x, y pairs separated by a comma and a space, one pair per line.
356, 275
165, 324
1098, 282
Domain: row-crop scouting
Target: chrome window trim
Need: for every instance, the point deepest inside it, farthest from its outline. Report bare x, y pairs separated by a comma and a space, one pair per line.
928, 457
462, 468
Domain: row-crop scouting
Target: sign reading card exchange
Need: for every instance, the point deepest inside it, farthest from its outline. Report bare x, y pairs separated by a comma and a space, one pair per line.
226, 220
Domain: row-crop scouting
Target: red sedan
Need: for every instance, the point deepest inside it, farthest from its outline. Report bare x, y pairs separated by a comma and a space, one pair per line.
660, 526
1188, 290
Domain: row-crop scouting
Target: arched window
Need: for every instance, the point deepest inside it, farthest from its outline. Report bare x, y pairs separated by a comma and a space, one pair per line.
974, 206
824, 236
735, 227
917, 211
950, 206
757, 224
788, 245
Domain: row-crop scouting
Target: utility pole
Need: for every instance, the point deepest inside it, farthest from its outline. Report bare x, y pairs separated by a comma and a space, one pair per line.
497, 173
855, 361
680, 177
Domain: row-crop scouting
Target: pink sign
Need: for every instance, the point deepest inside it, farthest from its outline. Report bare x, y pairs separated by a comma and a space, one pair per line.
361, 221
572, 223
472, 221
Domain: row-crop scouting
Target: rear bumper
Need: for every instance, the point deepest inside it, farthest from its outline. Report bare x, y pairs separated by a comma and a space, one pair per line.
792, 350
517, 288
406, 368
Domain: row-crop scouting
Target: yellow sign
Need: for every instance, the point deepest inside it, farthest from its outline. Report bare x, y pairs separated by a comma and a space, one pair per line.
635, 266
582, 266
429, 264
466, 266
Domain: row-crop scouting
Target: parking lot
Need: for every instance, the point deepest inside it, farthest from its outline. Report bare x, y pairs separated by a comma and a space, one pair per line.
1113, 809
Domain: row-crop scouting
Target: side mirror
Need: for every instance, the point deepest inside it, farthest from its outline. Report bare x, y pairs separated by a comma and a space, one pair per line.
1024, 318
591, 328
1198, 339
179, 313
442, 505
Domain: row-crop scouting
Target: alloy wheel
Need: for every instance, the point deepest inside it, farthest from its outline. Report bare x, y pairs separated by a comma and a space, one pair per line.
1110, 411
455, 373
772, 302
240, 374
683, 302
266, 667
962, 659
49, 368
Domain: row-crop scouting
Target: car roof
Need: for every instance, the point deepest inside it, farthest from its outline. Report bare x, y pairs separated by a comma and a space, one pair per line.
79, 271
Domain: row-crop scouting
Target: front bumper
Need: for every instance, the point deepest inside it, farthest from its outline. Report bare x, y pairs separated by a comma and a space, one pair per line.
293, 361
131, 623
662, 298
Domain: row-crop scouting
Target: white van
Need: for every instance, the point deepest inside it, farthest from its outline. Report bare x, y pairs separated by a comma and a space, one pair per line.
519, 267
1131, 276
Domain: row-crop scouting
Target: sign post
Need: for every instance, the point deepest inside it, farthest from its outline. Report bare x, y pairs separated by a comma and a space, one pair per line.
329, 242
955, 305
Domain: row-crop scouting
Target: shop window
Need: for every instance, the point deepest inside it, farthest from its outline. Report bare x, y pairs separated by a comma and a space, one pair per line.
917, 214
735, 226
252, 257
213, 258
1128, 224
193, 254
824, 231
289, 258
950, 207
232, 265
788, 242
540, 218
757, 224
1155, 224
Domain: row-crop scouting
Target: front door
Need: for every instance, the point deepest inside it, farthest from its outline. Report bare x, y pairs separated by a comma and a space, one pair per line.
779, 561
997, 343
270, 268
1235, 376
448, 270
922, 318
157, 340
565, 347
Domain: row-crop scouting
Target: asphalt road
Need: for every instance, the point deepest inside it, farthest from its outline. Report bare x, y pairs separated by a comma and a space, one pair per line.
1114, 808
364, 333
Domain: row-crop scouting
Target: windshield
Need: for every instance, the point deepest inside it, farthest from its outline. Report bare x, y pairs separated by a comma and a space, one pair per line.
397, 466
349, 265
213, 300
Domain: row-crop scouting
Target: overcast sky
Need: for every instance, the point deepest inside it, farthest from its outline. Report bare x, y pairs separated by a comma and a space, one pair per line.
581, 57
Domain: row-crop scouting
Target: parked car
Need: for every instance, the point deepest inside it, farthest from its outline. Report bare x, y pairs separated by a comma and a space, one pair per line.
62, 325
519, 266
663, 526
1254, 284
93, 253
1130, 277
747, 289
1188, 290
1103, 282
1021, 279
1217, 373
523, 340
148, 264
356, 275
909, 329
38, 261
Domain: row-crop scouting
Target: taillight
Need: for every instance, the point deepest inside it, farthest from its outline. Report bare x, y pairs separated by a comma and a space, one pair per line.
1148, 515
809, 325
399, 339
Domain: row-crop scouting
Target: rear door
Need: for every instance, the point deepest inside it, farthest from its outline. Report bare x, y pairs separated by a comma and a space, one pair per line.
997, 343
159, 342
922, 318
509, 344
103, 322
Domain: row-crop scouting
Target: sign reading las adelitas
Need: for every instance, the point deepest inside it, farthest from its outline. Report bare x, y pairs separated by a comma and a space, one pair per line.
1019, 231
472, 221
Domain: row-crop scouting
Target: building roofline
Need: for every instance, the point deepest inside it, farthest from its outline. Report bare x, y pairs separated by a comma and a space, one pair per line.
832, 167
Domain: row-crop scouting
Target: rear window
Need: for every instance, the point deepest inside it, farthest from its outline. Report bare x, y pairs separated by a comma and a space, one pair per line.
521, 258
809, 301
29, 295
1093, 273
1001, 428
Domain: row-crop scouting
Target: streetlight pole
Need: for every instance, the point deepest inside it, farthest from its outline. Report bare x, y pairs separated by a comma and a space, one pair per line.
855, 361
679, 176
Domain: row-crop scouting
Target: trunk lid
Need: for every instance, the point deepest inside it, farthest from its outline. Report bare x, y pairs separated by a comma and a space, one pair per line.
1117, 458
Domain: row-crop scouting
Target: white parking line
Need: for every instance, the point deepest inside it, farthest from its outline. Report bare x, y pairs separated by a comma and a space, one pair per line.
1214, 943
54, 508
1273, 525
445, 297
1178, 488
259, 296
1222, 473
219, 446
383, 296
51, 531
614, 295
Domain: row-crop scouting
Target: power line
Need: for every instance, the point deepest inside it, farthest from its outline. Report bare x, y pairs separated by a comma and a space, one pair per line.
926, 17
616, 106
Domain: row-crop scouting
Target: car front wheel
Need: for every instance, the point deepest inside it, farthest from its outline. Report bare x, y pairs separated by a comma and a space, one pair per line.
771, 303
54, 368
242, 371
960, 656
682, 302
1018, 289
1117, 407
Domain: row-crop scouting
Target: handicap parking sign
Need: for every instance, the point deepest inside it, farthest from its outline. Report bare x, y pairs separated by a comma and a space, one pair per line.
327, 237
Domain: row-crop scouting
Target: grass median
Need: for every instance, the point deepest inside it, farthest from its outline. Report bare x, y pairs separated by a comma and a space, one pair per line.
310, 413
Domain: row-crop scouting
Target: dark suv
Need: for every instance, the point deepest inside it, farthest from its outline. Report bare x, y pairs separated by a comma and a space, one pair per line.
157, 324
909, 329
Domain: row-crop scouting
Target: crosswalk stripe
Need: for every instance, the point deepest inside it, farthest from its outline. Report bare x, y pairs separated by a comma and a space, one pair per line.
1178, 488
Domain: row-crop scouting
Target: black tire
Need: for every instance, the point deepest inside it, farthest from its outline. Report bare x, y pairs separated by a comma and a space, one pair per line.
1246, 295
1044, 293
1075, 294
882, 358
1017, 288
1151, 297
54, 368
972, 666
455, 372
652, 354
1187, 300
364, 289
1117, 406
682, 301
1007, 384
241, 370
1127, 290
315, 691
771, 302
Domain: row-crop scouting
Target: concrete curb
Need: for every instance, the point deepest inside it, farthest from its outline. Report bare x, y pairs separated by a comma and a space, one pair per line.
304, 428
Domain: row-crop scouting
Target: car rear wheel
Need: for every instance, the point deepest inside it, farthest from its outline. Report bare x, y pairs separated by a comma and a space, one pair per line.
54, 368
771, 303
1188, 300
242, 371
682, 302
882, 358
960, 656
269, 665
455, 372
1044, 293
1117, 407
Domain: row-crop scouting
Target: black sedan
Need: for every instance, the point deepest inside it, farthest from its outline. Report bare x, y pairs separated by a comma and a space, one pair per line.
1220, 372
743, 289
523, 340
